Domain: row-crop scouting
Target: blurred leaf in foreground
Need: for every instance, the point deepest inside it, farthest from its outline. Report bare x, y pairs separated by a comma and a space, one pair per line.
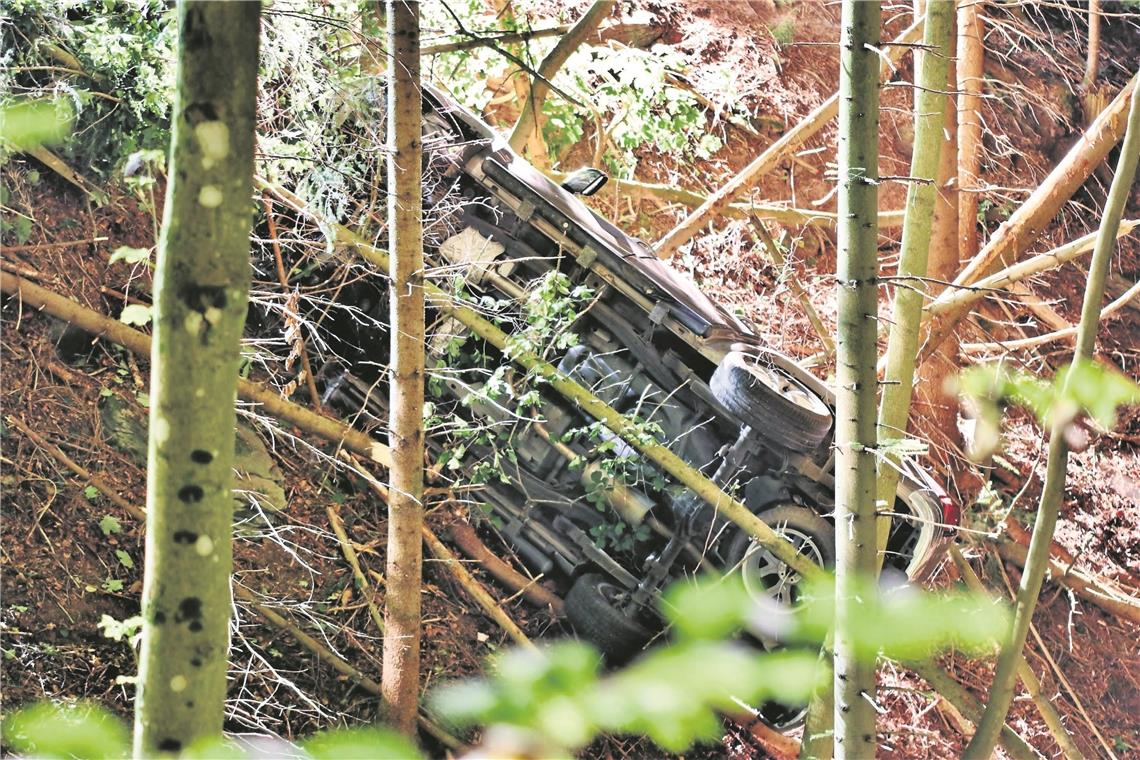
26, 124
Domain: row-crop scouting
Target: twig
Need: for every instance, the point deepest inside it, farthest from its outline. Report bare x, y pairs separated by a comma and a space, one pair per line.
47, 246
793, 281
349, 553
307, 368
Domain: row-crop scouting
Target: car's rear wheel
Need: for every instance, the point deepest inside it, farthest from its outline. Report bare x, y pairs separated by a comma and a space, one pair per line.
592, 607
771, 401
767, 578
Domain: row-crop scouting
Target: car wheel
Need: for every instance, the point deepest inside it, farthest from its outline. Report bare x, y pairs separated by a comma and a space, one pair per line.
771, 401
767, 578
592, 608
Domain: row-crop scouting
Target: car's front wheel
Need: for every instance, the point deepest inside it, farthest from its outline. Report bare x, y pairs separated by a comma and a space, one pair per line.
593, 608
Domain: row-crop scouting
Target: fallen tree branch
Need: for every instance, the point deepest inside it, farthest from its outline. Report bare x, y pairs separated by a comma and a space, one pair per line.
484, 40
969, 705
772, 156
529, 121
349, 552
459, 573
952, 299
1038, 340
1083, 585
785, 215
475, 589
102, 326
1031, 218
49, 246
463, 536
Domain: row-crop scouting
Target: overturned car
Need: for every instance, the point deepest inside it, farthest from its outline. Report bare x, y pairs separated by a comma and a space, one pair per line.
577, 503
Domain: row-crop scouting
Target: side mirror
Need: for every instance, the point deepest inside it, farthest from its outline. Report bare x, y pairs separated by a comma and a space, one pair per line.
585, 181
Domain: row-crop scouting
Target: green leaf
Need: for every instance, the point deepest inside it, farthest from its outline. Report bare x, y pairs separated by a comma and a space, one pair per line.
84, 731
360, 744
109, 524
112, 585
91, 493
26, 124
130, 255
136, 314
124, 559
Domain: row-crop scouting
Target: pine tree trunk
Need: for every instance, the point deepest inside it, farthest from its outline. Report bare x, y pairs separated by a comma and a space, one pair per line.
1001, 693
856, 381
401, 662
201, 289
902, 347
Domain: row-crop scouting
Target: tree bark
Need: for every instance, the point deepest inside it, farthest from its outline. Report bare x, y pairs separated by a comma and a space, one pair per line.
401, 661
201, 289
1037, 561
529, 118
856, 382
773, 155
902, 346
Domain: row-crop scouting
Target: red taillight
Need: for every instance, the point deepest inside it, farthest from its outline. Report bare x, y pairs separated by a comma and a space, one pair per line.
951, 514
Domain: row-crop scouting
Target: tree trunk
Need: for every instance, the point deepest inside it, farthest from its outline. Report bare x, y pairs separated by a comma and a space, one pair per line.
530, 117
971, 78
856, 381
201, 287
902, 347
1001, 693
401, 662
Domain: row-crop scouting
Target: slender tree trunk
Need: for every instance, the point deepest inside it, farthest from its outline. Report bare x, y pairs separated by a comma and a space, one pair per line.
1001, 693
201, 289
406, 426
902, 347
970, 68
530, 119
856, 381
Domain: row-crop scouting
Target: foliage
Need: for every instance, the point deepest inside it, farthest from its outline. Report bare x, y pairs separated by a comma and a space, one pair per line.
112, 62
1082, 387
26, 123
627, 93
558, 697
86, 730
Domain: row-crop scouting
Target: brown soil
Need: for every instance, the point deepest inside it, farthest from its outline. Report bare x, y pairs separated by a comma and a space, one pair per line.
57, 560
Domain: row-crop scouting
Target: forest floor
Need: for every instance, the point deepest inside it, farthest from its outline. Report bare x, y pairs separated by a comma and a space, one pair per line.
70, 557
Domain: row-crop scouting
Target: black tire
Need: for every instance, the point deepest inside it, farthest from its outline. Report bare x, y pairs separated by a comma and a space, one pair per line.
771, 402
593, 615
762, 572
